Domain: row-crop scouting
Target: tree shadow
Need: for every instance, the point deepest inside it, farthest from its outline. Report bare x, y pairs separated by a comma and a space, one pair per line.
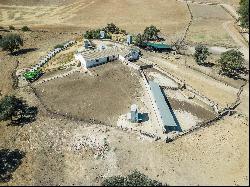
208, 64
9, 162
28, 115
24, 51
238, 74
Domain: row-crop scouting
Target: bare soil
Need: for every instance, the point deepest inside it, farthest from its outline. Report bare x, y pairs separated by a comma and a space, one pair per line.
198, 111
104, 96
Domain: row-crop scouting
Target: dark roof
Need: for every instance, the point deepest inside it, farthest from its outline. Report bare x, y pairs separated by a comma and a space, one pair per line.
158, 45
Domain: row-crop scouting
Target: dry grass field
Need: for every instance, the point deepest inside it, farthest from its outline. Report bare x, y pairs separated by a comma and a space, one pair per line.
207, 26
131, 15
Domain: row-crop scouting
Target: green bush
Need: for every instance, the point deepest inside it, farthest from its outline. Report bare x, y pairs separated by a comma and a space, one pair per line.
11, 27
58, 46
16, 110
201, 54
92, 34
25, 29
244, 13
11, 42
112, 28
134, 179
151, 33
231, 63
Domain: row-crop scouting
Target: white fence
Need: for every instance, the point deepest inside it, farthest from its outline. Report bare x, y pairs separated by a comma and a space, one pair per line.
50, 54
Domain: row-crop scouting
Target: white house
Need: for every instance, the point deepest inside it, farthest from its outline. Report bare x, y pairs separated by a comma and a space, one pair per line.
90, 59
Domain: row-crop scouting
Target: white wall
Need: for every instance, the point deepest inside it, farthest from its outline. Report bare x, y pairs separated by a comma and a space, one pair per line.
121, 58
80, 58
91, 63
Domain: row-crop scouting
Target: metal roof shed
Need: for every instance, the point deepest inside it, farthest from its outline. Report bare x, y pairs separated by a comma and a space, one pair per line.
164, 110
158, 46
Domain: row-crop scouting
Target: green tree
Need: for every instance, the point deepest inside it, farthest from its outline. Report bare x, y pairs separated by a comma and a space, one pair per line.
16, 110
231, 63
139, 40
201, 54
92, 34
244, 13
112, 28
25, 29
151, 33
9, 107
11, 42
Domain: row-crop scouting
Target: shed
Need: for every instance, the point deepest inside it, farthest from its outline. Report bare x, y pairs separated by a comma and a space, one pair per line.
165, 113
158, 46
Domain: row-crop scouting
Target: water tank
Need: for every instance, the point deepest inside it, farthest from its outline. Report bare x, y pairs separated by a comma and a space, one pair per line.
129, 39
102, 34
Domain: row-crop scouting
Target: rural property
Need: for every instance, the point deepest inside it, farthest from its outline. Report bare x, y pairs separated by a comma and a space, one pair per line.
124, 92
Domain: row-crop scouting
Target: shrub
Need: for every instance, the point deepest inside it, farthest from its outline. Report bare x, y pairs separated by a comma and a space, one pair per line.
11, 42
201, 54
139, 40
151, 33
231, 63
59, 46
25, 29
92, 34
244, 13
16, 110
134, 179
112, 28
1, 27
11, 27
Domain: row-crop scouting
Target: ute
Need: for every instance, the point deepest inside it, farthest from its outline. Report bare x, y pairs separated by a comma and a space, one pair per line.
32, 75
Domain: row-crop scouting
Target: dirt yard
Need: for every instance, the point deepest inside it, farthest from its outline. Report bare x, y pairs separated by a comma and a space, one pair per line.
104, 96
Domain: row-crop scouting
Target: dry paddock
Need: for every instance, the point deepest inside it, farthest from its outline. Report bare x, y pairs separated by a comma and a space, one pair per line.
171, 16
207, 26
102, 96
